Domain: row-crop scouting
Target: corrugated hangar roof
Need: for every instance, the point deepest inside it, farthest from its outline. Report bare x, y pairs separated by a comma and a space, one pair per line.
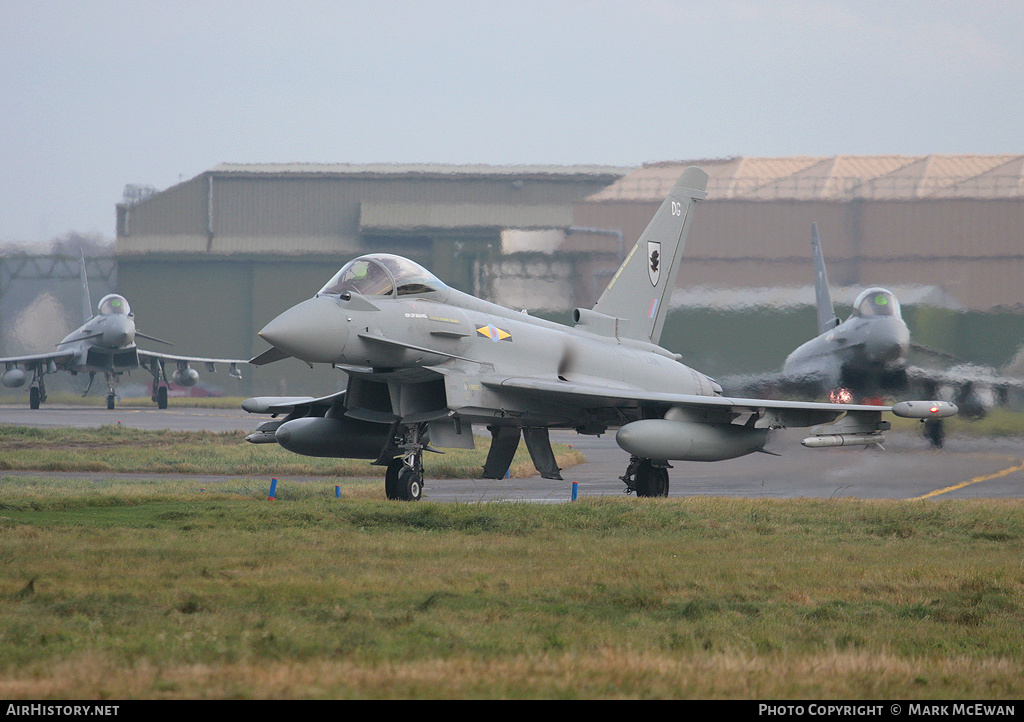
424, 169
834, 178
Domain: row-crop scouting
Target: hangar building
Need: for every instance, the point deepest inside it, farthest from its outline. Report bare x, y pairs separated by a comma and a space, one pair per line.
208, 262
956, 222
945, 233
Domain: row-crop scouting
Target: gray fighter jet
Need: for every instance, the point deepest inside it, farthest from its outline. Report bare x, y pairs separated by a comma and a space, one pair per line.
427, 363
864, 359
860, 359
105, 343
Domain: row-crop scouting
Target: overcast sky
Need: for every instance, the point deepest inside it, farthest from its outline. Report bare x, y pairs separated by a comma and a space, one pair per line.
98, 94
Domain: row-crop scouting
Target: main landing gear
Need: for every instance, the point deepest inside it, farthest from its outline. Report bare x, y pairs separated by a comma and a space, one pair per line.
37, 390
159, 394
159, 389
646, 477
36, 395
934, 432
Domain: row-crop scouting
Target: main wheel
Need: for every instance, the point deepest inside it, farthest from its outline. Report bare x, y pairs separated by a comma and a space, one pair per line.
161, 397
33, 397
934, 432
651, 480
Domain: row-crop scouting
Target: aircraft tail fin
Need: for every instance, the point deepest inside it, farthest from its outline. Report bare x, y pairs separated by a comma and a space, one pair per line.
86, 299
827, 319
638, 295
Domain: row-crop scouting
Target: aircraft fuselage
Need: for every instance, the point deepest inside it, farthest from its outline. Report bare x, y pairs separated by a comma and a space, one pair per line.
457, 336
866, 353
103, 343
426, 363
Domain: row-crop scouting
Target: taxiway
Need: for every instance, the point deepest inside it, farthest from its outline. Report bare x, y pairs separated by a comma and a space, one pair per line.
907, 468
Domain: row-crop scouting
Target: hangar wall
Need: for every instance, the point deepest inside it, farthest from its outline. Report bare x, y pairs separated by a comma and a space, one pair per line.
952, 221
210, 261
973, 249
216, 306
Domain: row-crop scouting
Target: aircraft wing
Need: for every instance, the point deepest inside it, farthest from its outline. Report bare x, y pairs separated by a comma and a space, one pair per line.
963, 374
146, 358
810, 384
974, 388
761, 412
59, 358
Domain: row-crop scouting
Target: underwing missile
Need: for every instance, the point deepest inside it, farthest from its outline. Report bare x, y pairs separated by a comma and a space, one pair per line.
826, 440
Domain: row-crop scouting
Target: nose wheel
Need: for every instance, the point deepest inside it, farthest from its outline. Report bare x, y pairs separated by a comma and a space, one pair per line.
111, 396
404, 482
404, 478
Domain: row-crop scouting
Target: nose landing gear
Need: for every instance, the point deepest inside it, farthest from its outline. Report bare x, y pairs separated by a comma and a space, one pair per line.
404, 479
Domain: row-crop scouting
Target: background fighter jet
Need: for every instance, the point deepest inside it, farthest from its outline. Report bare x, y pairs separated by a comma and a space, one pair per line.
861, 359
426, 363
105, 343
864, 359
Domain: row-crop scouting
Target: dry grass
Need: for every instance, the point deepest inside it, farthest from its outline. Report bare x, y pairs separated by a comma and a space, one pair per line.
121, 590
604, 674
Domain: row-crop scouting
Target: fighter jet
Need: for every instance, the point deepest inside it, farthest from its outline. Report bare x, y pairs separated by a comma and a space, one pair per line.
864, 359
860, 359
427, 363
105, 343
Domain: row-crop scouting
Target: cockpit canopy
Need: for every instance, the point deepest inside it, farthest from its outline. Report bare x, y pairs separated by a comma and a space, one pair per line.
876, 302
114, 305
381, 274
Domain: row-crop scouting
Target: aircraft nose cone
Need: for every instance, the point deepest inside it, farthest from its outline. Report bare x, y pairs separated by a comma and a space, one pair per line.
314, 331
888, 342
118, 335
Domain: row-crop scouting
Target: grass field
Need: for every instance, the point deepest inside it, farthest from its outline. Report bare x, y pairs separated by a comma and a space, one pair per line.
161, 589
157, 589
116, 448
